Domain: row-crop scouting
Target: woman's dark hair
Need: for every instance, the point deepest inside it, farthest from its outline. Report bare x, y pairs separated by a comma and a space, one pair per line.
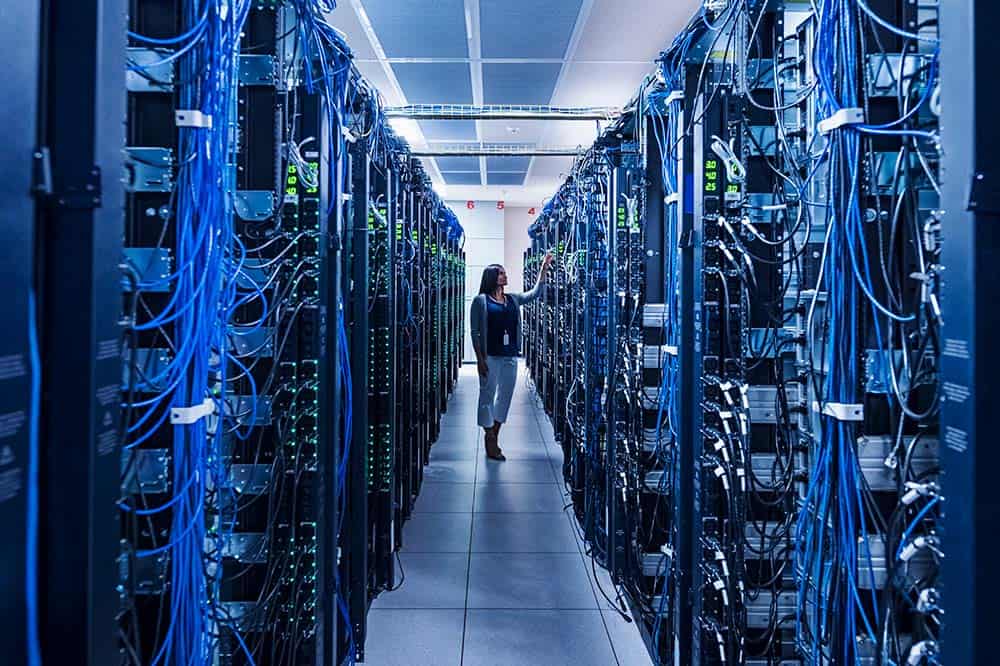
491, 274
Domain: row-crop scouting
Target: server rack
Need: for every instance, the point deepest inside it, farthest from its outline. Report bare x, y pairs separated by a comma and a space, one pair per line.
789, 305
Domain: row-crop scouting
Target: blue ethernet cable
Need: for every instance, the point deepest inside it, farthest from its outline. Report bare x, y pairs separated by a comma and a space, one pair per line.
31, 538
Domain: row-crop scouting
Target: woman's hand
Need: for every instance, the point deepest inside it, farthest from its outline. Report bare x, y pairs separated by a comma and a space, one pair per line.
545, 266
484, 369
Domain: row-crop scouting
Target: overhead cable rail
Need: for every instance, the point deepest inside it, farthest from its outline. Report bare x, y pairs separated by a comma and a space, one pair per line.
476, 149
501, 112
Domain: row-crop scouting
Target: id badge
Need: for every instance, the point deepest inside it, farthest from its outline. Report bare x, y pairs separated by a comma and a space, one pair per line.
506, 339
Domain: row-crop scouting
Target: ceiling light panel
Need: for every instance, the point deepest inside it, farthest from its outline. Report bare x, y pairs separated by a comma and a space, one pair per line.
435, 83
527, 28
449, 130
508, 163
519, 83
458, 164
419, 29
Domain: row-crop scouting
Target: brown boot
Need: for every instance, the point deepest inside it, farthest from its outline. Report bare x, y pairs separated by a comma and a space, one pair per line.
496, 435
492, 450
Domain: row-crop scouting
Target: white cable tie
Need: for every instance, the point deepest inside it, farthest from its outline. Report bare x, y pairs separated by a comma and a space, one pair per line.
842, 411
674, 96
848, 116
192, 118
670, 350
672, 198
189, 415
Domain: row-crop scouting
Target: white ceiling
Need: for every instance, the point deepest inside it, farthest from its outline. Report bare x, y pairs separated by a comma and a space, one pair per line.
557, 52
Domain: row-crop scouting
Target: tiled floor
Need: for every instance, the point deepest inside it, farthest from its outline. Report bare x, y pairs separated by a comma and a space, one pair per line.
495, 575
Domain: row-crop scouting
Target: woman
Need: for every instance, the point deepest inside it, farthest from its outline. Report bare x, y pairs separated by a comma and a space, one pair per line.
495, 320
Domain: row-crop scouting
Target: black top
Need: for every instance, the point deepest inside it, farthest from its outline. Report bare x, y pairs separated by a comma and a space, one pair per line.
501, 328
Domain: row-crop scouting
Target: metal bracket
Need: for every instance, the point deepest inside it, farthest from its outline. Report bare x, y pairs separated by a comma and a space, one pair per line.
841, 411
149, 169
253, 205
256, 70
83, 196
155, 75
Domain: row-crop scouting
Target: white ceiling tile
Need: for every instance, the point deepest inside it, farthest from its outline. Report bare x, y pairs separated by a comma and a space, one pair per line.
587, 84
549, 170
526, 131
345, 19
632, 30
572, 133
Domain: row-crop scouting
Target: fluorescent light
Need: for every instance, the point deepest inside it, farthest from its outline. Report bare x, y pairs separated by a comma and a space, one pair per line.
408, 129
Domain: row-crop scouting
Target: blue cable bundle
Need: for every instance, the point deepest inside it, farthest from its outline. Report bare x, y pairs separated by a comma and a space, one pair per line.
203, 294
835, 514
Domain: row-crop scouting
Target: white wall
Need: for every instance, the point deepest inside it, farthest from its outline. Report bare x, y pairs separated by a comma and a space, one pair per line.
484, 233
515, 240
492, 236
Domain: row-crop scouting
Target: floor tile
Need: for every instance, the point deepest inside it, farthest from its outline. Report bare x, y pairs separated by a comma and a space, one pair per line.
604, 589
522, 533
515, 471
529, 580
432, 580
451, 471
462, 434
529, 590
414, 637
451, 452
550, 637
626, 641
518, 498
437, 533
526, 452
526, 432
445, 498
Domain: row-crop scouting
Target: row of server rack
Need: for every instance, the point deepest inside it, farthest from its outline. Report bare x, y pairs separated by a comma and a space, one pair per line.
742, 350
235, 314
